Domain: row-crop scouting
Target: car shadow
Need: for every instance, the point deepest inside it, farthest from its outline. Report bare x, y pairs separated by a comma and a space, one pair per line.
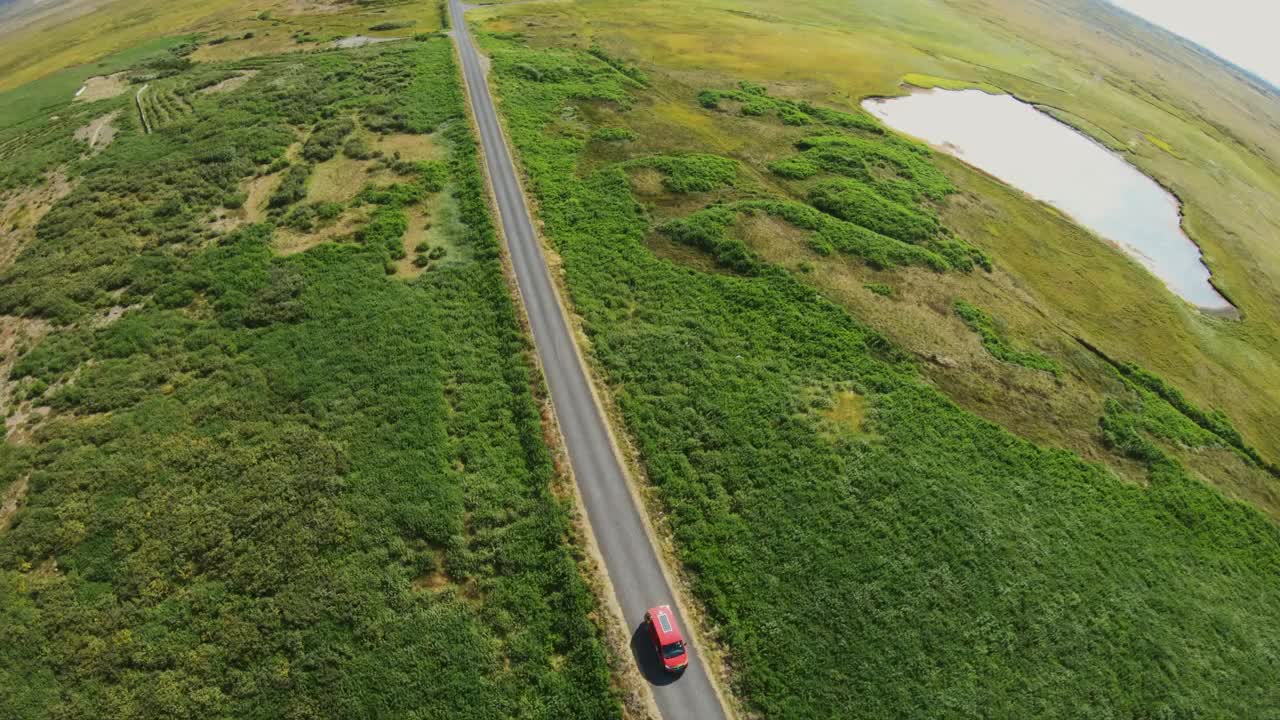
647, 659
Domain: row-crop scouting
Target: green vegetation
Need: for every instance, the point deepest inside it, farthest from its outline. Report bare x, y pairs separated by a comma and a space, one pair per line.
282, 487
613, 134
930, 564
707, 230
994, 340
755, 100
921, 80
690, 173
382, 27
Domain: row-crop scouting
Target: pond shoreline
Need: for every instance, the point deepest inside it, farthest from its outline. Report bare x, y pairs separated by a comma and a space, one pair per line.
1106, 193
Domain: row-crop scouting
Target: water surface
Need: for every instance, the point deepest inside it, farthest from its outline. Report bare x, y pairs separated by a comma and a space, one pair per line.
1053, 162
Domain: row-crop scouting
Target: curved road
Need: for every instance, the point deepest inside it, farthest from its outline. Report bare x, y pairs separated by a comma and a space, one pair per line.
630, 559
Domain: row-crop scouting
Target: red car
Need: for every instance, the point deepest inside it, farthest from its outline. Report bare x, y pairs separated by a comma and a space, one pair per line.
666, 638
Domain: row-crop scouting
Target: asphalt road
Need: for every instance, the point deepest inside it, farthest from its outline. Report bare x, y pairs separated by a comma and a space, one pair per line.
630, 559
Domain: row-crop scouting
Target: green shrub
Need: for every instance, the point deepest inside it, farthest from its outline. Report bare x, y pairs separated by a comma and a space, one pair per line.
993, 339
690, 173
325, 139
613, 134
292, 188
384, 26
229, 510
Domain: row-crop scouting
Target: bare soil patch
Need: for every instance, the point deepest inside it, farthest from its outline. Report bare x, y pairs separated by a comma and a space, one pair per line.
291, 242
258, 190
230, 83
17, 335
102, 87
22, 209
12, 500
414, 234
356, 41
112, 314
99, 133
313, 7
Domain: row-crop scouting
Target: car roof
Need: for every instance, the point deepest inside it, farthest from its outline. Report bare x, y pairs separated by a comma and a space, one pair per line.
664, 622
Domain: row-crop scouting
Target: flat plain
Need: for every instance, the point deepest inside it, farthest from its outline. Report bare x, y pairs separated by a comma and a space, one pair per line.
919, 445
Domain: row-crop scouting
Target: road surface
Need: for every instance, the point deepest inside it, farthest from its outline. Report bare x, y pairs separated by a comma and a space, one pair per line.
629, 558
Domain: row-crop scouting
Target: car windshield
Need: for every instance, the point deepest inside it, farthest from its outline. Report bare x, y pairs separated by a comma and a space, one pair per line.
675, 649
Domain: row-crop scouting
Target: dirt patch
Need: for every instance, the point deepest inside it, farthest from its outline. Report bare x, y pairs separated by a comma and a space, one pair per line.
231, 83
314, 7
434, 580
21, 210
17, 335
112, 314
258, 190
99, 133
419, 221
356, 41
12, 500
292, 242
102, 87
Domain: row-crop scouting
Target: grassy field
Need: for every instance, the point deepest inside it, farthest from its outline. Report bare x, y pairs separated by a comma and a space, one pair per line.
87, 32
890, 423
1218, 127
243, 485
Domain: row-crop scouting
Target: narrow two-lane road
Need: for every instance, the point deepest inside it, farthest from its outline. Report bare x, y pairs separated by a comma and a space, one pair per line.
629, 558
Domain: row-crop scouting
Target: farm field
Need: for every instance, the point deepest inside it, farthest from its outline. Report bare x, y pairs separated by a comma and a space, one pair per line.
272, 444
922, 446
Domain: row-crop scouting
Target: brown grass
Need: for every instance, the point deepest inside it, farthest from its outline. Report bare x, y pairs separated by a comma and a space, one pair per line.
12, 500
17, 335
341, 178
419, 216
230, 83
291, 242
411, 147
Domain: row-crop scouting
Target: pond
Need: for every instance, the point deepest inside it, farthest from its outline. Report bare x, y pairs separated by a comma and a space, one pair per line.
1056, 164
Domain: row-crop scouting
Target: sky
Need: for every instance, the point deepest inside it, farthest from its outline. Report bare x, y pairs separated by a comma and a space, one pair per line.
1242, 31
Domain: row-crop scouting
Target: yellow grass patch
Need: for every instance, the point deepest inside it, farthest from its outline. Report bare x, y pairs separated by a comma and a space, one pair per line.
413, 148
340, 179
848, 411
